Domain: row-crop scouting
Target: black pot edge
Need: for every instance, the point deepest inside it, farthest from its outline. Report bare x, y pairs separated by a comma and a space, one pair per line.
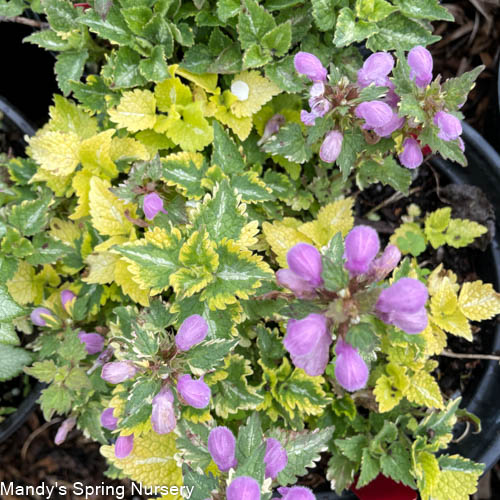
14, 421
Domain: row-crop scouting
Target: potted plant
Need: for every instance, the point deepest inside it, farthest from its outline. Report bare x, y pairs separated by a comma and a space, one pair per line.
205, 298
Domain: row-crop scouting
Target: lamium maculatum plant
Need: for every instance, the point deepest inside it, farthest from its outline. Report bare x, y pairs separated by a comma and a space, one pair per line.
180, 243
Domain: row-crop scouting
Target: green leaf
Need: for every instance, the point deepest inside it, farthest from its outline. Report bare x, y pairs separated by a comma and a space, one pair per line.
362, 337
225, 153
447, 149
456, 89
12, 9
348, 30
30, 216
255, 57
389, 173
253, 465
399, 32
341, 472
55, 399
303, 450
113, 28
370, 469
201, 485
220, 215
206, 355
323, 12
77, 380
424, 9
71, 349
12, 361
61, 15
8, 335
140, 395
69, 66
353, 447
412, 243
44, 371
352, 143
94, 95
48, 250
278, 40
396, 464
154, 68
334, 274
48, 40
251, 188
226, 9
185, 172
89, 421
8, 308
290, 143
412, 107
374, 10
283, 74
253, 24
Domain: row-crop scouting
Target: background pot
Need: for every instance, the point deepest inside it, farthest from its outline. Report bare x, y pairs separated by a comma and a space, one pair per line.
13, 118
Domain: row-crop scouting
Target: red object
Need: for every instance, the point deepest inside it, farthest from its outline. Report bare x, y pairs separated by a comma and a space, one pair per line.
426, 150
384, 488
84, 6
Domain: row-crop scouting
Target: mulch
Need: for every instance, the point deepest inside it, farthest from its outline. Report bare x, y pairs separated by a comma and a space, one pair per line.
30, 457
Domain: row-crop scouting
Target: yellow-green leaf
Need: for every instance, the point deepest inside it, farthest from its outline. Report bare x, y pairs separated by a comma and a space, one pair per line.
136, 111
479, 301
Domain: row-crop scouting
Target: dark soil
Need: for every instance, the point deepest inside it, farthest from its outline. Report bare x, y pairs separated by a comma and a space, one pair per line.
30, 457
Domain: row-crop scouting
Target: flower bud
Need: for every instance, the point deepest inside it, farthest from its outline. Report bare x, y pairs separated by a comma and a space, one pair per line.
412, 156
243, 488
308, 342
296, 493
331, 146
403, 305
351, 370
63, 430
275, 458
450, 127
163, 418
67, 299
375, 113
394, 124
461, 144
375, 70
300, 287
309, 65
305, 261
195, 392
193, 330
108, 421
152, 204
37, 316
382, 266
124, 446
222, 447
272, 127
420, 62
118, 371
94, 342
361, 247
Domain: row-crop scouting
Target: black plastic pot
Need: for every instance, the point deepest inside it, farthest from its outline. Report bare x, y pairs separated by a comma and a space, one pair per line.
14, 119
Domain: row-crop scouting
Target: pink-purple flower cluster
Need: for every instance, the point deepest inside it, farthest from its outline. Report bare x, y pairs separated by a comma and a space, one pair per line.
152, 205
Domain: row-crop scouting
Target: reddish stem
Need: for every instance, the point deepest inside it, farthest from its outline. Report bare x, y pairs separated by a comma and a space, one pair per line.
84, 6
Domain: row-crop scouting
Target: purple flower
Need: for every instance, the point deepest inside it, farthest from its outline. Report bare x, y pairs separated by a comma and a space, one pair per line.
37, 316
163, 415
152, 204
309, 65
375, 70
382, 266
307, 118
308, 342
193, 330
375, 113
118, 371
195, 392
420, 62
272, 127
300, 287
63, 430
108, 421
124, 446
351, 370
317, 89
392, 125
243, 488
412, 156
461, 144
67, 298
94, 342
296, 493
275, 458
305, 261
450, 127
361, 247
222, 447
403, 305
319, 107
331, 146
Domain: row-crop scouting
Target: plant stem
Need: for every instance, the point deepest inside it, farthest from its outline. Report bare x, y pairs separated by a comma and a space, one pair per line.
24, 20
450, 354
